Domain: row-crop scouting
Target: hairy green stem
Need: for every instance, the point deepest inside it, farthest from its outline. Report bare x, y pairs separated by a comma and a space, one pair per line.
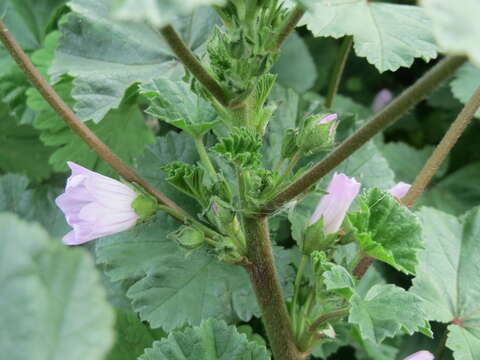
78, 127
204, 158
341, 61
443, 149
268, 291
298, 282
190, 61
289, 25
395, 110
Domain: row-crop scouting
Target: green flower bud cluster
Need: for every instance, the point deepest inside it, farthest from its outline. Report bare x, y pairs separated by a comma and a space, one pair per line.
242, 52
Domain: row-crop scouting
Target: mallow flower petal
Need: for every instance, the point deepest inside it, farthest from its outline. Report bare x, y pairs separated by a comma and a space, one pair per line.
421, 355
400, 190
95, 205
333, 206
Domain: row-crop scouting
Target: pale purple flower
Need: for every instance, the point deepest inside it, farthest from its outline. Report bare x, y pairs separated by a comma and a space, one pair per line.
400, 190
381, 100
421, 355
95, 205
333, 206
327, 119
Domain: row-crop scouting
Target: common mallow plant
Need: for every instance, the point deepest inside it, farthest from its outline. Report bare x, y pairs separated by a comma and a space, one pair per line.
230, 196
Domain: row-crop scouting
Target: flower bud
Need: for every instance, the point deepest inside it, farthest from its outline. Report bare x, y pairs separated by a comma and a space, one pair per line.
317, 134
333, 206
421, 355
400, 190
381, 100
289, 143
188, 237
95, 206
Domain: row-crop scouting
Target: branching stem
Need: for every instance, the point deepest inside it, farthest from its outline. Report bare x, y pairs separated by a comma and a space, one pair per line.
268, 291
395, 110
443, 149
78, 126
190, 61
289, 25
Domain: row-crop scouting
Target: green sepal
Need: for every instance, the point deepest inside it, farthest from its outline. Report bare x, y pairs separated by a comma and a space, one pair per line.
242, 148
187, 178
289, 143
222, 189
145, 206
315, 238
227, 252
314, 137
219, 213
188, 237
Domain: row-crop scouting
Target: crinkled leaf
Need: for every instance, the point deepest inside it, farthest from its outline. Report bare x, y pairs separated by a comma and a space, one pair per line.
455, 26
338, 279
241, 147
171, 147
51, 299
385, 311
368, 350
407, 161
212, 340
32, 203
448, 277
295, 67
456, 193
464, 342
170, 288
388, 35
132, 337
21, 151
175, 103
465, 83
28, 21
124, 130
387, 230
13, 85
107, 56
157, 12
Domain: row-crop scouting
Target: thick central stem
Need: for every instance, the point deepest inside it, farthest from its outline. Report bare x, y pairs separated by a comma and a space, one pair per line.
269, 294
